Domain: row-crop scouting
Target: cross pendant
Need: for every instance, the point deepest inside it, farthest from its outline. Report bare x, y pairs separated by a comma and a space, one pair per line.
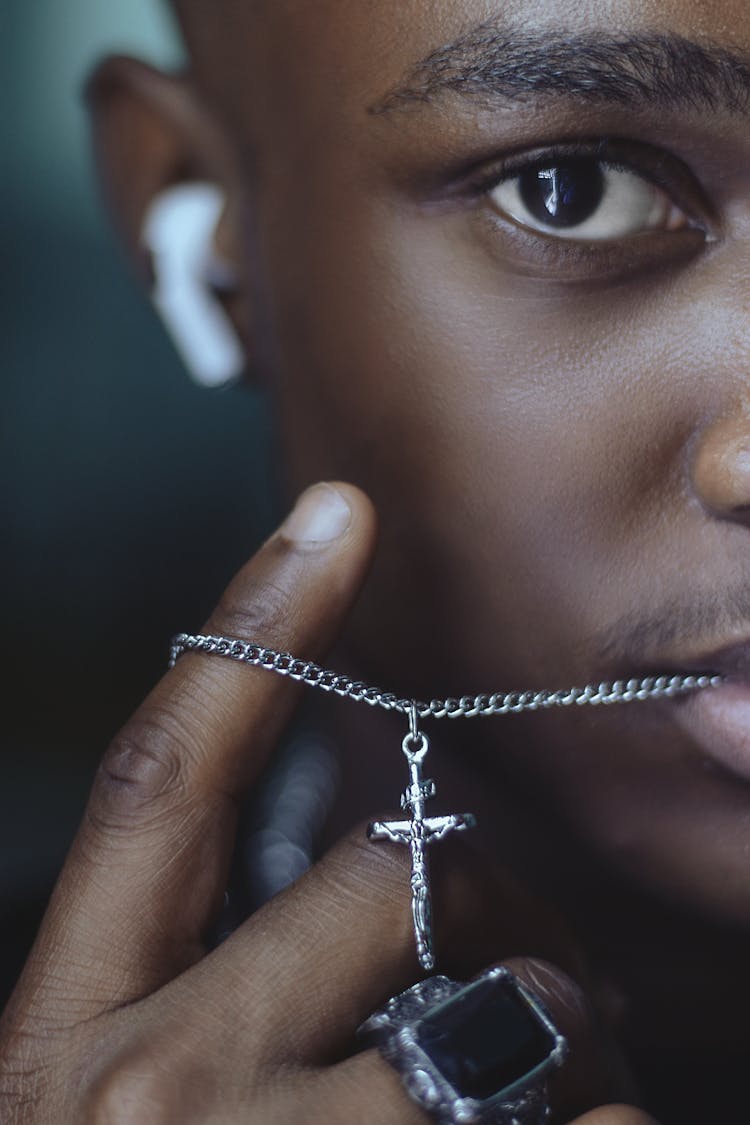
418, 832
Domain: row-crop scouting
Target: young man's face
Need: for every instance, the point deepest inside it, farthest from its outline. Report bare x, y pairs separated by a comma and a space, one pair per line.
506, 289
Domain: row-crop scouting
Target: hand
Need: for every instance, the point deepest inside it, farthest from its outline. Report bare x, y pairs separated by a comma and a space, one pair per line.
121, 1017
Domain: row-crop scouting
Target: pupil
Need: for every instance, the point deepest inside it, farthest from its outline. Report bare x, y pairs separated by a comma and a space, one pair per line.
563, 194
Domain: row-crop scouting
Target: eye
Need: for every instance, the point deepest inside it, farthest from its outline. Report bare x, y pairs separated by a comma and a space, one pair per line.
585, 198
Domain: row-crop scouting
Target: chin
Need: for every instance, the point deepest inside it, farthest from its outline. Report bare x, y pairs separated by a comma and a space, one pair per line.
639, 791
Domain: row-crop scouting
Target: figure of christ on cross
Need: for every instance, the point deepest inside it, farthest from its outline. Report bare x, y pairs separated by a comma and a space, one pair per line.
418, 832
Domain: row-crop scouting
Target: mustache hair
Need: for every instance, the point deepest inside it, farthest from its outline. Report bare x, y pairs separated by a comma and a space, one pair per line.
705, 621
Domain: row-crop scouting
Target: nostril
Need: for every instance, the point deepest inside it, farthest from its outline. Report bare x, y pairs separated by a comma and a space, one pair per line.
721, 467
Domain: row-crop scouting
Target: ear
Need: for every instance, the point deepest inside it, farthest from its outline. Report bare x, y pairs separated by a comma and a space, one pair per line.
154, 141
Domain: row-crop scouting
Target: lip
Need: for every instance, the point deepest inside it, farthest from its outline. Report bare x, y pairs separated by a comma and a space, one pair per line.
731, 661
718, 718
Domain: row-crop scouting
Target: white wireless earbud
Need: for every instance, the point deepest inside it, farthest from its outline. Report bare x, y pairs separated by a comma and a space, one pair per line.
179, 230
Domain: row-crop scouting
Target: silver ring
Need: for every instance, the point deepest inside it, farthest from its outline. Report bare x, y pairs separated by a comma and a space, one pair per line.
471, 1052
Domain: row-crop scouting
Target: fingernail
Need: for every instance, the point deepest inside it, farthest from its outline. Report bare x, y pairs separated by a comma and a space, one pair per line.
320, 515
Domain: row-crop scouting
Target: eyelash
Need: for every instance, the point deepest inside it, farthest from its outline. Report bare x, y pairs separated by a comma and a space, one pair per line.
656, 167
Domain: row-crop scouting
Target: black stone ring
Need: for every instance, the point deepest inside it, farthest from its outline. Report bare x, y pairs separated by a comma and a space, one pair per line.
476, 1052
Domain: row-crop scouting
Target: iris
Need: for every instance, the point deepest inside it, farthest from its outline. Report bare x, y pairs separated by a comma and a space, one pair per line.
564, 194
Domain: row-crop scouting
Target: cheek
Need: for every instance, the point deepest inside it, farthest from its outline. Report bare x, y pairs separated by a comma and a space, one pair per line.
518, 441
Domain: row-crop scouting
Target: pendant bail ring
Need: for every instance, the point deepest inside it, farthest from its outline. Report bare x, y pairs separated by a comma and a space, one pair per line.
415, 744
414, 720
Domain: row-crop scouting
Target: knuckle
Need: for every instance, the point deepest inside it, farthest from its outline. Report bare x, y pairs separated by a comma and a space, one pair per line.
369, 869
360, 878
255, 609
143, 770
135, 1091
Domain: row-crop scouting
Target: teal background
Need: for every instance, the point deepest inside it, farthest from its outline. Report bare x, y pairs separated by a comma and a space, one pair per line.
128, 496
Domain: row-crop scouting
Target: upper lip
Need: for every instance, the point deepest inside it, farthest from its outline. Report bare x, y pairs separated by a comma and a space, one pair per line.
731, 661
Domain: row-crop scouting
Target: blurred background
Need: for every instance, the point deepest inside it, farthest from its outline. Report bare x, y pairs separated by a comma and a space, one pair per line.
129, 495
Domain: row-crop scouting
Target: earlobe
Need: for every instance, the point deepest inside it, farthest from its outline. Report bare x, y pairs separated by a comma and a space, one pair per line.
167, 176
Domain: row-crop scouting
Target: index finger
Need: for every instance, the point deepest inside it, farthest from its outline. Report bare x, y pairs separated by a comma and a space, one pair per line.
149, 862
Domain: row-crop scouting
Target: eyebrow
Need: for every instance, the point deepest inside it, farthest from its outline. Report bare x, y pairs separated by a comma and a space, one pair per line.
492, 63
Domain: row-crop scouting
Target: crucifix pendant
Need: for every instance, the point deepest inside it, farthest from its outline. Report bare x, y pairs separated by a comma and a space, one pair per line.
418, 832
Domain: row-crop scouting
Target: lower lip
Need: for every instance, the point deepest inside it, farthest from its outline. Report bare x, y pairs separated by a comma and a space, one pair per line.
718, 719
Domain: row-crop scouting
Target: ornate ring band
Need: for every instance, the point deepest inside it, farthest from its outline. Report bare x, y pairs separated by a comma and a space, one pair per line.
470, 1053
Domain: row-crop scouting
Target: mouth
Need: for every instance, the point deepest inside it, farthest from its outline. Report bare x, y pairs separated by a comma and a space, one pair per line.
718, 719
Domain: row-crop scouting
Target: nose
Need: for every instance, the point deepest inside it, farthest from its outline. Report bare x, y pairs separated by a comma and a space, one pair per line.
721, 465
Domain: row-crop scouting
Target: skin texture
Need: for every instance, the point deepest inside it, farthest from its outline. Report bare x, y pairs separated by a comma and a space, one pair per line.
555, 437
544, 433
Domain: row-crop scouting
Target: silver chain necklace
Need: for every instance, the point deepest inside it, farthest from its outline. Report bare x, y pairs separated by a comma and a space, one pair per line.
467, 707
418, 830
